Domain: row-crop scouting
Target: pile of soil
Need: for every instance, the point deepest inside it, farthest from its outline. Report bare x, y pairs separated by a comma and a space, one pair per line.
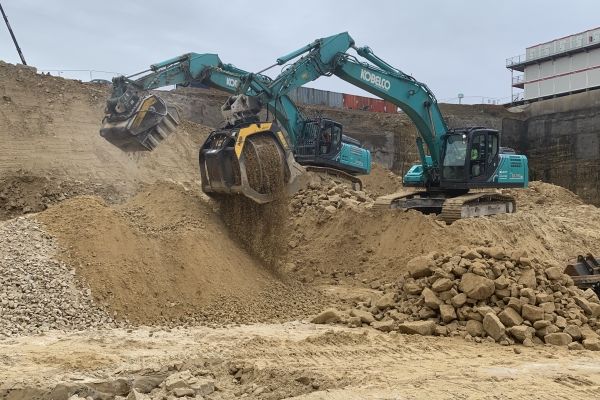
50, 128
165, 256
374, 247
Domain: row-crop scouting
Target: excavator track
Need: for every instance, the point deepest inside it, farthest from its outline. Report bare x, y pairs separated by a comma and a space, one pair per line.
476, 205
388, 201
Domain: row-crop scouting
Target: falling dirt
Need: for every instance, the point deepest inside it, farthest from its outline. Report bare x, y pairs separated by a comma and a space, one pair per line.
261, 228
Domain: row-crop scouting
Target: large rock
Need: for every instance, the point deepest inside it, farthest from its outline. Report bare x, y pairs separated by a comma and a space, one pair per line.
430, 298
521, 332
476, 287
385, 301
591, 344
447, 313
384, 326
527, 279
459, 300
364, 316
203, 386
179, 380
493, 326
554, 273
532, 313
424, 328
573, 331
558, 339
509, 317
442, 284
474, 328
328, 316
420, 267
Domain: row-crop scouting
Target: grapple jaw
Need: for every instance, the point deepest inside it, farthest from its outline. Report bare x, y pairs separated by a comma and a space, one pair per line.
143, 128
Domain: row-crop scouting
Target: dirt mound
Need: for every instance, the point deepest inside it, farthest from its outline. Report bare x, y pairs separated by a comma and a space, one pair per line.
165, 256
375, 246
27, 193
381, 181
49, 128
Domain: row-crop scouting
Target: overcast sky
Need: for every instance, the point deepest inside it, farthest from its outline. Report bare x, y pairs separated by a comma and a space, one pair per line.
457, 46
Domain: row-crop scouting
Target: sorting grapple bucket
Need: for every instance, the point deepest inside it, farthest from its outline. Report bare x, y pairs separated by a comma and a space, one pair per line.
144, 128
233, 161
585, 272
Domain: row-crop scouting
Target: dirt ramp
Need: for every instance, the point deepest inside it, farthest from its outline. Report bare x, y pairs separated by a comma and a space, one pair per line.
165, 256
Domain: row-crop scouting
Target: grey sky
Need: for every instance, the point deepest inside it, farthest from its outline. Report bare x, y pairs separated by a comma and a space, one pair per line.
453, 46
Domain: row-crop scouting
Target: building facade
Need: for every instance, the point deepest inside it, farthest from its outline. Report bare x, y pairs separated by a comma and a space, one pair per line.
562, 66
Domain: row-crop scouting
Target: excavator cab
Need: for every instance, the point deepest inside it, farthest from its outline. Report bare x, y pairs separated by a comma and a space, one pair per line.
469, 158
323, 143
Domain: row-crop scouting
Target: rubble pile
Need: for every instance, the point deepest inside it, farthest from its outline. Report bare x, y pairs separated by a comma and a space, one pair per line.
328, 194
484, 294
182, 384
37, 292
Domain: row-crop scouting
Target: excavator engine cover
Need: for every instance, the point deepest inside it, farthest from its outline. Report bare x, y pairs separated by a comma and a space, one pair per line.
144, 128
251, 160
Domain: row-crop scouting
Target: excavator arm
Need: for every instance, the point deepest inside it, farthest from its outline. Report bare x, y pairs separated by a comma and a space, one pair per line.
137, 121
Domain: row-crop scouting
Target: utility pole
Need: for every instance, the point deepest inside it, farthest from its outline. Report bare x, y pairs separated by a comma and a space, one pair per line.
13, 36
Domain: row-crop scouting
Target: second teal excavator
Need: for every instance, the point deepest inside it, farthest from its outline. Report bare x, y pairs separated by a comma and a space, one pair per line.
459, 159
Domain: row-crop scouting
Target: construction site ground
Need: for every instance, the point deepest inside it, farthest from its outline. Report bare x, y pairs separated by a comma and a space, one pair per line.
120, 279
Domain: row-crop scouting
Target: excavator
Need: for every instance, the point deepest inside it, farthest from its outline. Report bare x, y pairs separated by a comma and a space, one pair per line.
232, 160
456, 179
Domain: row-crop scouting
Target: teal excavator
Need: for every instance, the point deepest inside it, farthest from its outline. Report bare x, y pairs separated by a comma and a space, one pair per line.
455, 178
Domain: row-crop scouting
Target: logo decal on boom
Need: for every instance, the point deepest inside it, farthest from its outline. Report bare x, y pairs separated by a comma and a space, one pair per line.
374, 79
232, 82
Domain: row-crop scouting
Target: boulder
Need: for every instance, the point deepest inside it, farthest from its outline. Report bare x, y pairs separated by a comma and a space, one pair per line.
412, 288
420, 267
430, 298
328, 316
521, 332
591, 344
442, 284
532, 313
384, 326
502, 282
554, 273
447, 313
459, 300
574, 331
385, 301
476, 287
364, 316
471, 254
425, 328
493, 326
527, 279
558, 339
509, 317
474, 328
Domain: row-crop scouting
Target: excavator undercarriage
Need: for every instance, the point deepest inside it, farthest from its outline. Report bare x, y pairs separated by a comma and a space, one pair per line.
450, 206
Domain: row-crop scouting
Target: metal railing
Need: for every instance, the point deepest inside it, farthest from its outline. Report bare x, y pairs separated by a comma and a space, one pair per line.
515, 60
518, 79
81, 74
